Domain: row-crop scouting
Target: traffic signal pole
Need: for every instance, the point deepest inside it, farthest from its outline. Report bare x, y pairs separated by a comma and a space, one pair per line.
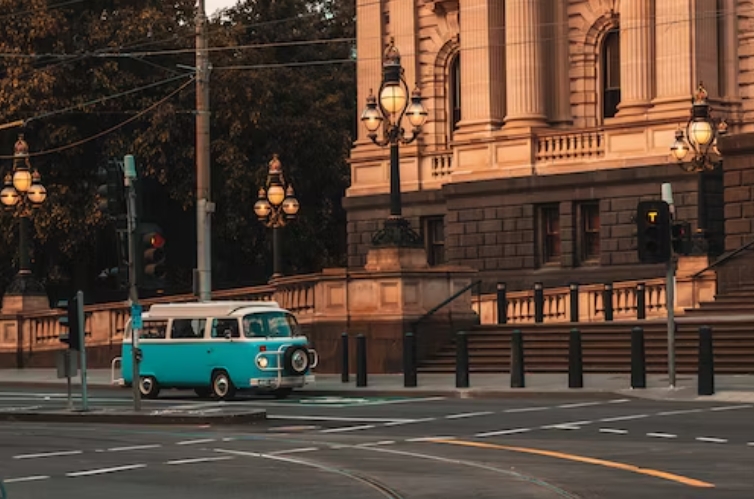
667, 196
129, 179
204, 207
81, 332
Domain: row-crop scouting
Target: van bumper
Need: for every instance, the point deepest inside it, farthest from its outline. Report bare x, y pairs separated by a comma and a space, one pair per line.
282, 382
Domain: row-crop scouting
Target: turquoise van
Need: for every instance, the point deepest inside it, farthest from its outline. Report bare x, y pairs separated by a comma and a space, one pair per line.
219, 348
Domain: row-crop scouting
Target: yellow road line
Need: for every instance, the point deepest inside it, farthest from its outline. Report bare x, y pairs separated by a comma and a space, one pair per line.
583, 459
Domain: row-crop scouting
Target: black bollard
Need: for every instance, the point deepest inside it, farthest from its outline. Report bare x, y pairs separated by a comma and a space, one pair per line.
641, 301
607, 301
409, 360
706, 368
574, 299
344, 368
517, 359
462, 360
539, 302
361, 360
575, 362
502, 304
638, 359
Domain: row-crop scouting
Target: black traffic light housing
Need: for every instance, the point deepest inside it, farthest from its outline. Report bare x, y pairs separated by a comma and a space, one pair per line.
70, 322
111, 191
653, 232
150, 257
681, 238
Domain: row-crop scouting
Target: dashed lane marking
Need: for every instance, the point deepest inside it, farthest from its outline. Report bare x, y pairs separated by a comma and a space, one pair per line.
293, 451
348, 428
197, 441
502, 432
623, 418
712, 440
526, 409
615, 431
691, 482
732, 407
409, 421
661, 435
676, 413
199, 460
342, 419
49, 454
581, 404
428, 439
469, 415
35, 478
134, 447
102, 471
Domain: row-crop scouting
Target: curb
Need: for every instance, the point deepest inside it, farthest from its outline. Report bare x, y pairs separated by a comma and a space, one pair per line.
468, 393
243, 418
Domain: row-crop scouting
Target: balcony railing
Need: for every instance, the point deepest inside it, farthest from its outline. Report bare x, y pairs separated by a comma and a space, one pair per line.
570, 146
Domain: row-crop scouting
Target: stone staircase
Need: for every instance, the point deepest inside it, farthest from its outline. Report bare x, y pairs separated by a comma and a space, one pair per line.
606, 347
736, 302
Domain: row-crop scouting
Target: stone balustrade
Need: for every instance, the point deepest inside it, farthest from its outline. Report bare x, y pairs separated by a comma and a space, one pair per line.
586, 144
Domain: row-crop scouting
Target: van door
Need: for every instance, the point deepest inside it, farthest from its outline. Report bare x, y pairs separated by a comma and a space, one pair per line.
186, 362
225, 349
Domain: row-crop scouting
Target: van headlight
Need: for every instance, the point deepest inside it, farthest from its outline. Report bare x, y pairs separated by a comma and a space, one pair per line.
262, 362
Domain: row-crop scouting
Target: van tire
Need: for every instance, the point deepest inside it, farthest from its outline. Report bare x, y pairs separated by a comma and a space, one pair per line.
222, 387
149, 387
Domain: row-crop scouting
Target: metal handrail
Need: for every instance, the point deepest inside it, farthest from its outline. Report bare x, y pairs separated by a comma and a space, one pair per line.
724, 259
445, 302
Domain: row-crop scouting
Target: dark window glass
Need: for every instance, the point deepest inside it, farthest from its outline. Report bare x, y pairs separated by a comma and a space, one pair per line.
611, 74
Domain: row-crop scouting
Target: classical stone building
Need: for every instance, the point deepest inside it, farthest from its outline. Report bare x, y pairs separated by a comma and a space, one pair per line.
548, 121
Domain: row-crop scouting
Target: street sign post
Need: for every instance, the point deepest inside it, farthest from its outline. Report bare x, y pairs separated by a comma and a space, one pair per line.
667, 196
82, 342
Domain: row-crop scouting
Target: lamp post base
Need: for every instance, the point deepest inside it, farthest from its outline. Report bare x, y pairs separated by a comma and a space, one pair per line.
397, 233
25, 294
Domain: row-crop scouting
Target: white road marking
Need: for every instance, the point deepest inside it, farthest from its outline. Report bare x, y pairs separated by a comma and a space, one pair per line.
428, 439
502, 432
712, 440
198, 441
134, 447
26, 479
619, 401
49, 454
341, 419
228, 439
613, 430
102, 471
409, 421
750, 444
199, 460
349, 428
675, 413
526, 409
238, 452
564, 426
292, 451
661, 435
469, 415
581, 404
374, 444
624, 418
731, 407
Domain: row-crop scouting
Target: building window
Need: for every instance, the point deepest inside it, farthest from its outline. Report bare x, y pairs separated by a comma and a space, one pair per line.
611, 74
455, 92
589, 232
434, 240
549, 228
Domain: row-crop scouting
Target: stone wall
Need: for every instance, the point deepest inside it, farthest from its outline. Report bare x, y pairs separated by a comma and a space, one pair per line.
492, 225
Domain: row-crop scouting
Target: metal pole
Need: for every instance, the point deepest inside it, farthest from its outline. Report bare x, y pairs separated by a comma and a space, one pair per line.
670, 293
68, 377
24, 250
203, 204
396, 208
133, 292
276, 252
82, 343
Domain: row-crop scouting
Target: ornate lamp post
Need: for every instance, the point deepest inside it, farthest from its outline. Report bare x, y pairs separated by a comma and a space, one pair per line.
389, 112
699, 139
276, 207
702, 132
22, 194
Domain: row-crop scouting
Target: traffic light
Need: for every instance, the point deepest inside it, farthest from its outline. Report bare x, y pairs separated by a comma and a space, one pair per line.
110, 191
653, 231
70, 321
150, 256
681, 237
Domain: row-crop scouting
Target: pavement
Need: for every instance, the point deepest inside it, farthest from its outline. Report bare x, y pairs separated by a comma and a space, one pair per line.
551, 445
731, 388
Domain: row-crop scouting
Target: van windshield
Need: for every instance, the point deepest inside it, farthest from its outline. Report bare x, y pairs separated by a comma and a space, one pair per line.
270, 324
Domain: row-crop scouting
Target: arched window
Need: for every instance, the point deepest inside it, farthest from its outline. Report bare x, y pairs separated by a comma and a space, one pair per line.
454, 91
611, 73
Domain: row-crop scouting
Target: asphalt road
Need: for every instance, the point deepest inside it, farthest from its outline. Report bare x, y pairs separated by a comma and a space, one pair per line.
433, 447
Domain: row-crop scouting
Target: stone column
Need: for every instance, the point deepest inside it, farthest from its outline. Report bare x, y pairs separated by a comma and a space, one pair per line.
729, 50
560, 45
369, 44
525, 59
403, 28
482, 38
636, 22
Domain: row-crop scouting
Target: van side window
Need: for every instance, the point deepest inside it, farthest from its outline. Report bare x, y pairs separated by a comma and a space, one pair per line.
154, 330
221, 326
188, 328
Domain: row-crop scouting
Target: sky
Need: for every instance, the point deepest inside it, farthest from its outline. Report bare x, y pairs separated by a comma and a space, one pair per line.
214, 5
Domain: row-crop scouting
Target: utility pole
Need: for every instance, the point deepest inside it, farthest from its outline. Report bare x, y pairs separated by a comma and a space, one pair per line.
129, 178
204, 207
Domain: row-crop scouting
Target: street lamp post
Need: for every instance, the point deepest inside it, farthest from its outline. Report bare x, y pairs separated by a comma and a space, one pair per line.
23, 193
276, 207
389, 112
700, 139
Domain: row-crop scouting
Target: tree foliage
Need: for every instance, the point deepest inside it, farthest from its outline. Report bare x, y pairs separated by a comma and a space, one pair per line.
266, 98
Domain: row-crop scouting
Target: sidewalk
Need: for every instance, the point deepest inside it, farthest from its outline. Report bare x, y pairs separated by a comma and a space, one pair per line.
729, 388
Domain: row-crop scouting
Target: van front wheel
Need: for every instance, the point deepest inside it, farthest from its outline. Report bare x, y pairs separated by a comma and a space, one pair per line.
222, 386
149, 387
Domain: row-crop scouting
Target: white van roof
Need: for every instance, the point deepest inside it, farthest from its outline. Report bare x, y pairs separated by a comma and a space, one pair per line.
209, 309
